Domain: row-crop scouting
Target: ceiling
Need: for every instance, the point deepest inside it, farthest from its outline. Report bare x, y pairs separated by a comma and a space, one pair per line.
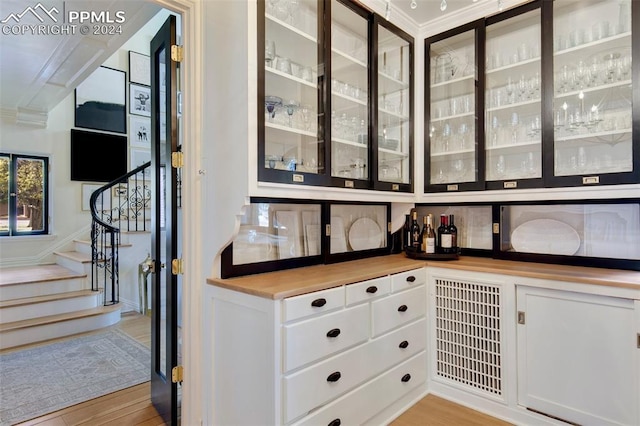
429, 10
37, 71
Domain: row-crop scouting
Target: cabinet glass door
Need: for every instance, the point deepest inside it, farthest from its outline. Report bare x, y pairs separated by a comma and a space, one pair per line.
592, 88
513, 119
292, 142
350, 141
394, 103
451, 149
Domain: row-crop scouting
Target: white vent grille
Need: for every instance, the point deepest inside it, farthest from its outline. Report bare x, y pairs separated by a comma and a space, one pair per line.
468, 334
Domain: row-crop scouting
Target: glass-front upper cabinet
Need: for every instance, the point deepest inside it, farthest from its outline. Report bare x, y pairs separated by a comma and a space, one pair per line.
291, 140
335, 86
451, 151
593, 92
395, 108
513, 106
350, 141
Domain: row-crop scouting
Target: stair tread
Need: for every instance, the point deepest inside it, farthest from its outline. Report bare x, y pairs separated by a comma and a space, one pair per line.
46, 298
75, 255
58, 318
88, 243
36, 273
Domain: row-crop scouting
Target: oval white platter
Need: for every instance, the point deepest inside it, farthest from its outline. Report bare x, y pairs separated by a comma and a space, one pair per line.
365, 234
545, 236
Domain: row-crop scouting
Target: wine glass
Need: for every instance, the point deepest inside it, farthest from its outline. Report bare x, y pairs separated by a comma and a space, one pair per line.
306, 116
291, 107
271, 102
515, 122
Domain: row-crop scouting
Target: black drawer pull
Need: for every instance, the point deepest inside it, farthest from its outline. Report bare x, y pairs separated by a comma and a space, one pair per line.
411, 278
333, 333
372, 289
404, 344
318, 303
406, 378
335, 422
334, 377
403, 308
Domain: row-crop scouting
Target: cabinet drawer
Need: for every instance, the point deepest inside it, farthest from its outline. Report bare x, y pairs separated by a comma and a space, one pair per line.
367, 290
313, 303
366, 401
409, 279
398, 309
316, 338
325, 381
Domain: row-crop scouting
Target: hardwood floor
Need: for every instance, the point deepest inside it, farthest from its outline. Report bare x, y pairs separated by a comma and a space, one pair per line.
132, 406
435, 411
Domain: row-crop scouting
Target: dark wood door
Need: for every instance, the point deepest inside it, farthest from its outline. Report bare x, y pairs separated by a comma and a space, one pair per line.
164, 239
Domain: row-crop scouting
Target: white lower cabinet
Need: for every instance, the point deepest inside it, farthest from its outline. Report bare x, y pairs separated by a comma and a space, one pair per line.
535, 351
578, 356
323, 382
359, 405
336, 356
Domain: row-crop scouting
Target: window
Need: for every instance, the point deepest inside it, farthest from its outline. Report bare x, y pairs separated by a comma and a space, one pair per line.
23, 195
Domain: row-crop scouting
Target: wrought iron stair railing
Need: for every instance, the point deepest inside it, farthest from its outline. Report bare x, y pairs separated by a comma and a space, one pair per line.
121, 205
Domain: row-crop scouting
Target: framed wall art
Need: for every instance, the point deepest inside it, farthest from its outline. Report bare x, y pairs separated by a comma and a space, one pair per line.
139, 68
140, 100
139, 132
102, 203
100, 101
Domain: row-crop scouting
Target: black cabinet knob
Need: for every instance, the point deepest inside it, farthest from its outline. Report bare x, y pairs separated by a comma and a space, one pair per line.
333, 333
411, 278
335, 422
403, 308
404, 344
406, 378
334, 377
372, 289
318, 303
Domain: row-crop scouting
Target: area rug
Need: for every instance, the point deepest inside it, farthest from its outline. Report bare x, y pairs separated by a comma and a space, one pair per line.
38, 381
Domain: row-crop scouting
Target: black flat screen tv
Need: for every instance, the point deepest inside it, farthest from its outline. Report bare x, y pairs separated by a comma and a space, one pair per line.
97, 157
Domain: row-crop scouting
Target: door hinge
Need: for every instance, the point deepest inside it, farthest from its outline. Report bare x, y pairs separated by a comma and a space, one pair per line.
177, 159
638, 340
177, 267
520, 317
176, 374
177, 53
327, 230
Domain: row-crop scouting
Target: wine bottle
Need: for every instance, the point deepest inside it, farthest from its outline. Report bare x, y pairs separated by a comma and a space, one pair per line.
454, 235
430, 238
415, 231
423, 235
444, 235
406, 232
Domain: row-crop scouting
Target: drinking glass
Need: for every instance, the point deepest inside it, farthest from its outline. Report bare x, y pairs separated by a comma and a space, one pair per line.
269, 52
283, 64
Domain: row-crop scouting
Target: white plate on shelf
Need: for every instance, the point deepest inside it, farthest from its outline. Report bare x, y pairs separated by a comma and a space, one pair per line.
365, 234
545, 236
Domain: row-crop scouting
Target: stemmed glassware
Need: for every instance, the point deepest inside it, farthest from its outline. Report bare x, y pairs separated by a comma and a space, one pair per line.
272, 102
291, 107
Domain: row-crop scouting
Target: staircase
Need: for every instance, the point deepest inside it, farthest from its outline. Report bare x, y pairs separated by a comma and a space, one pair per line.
80, 292
49, 301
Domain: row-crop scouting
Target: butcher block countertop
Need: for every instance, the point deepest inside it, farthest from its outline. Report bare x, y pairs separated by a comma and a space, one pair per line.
293, 282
